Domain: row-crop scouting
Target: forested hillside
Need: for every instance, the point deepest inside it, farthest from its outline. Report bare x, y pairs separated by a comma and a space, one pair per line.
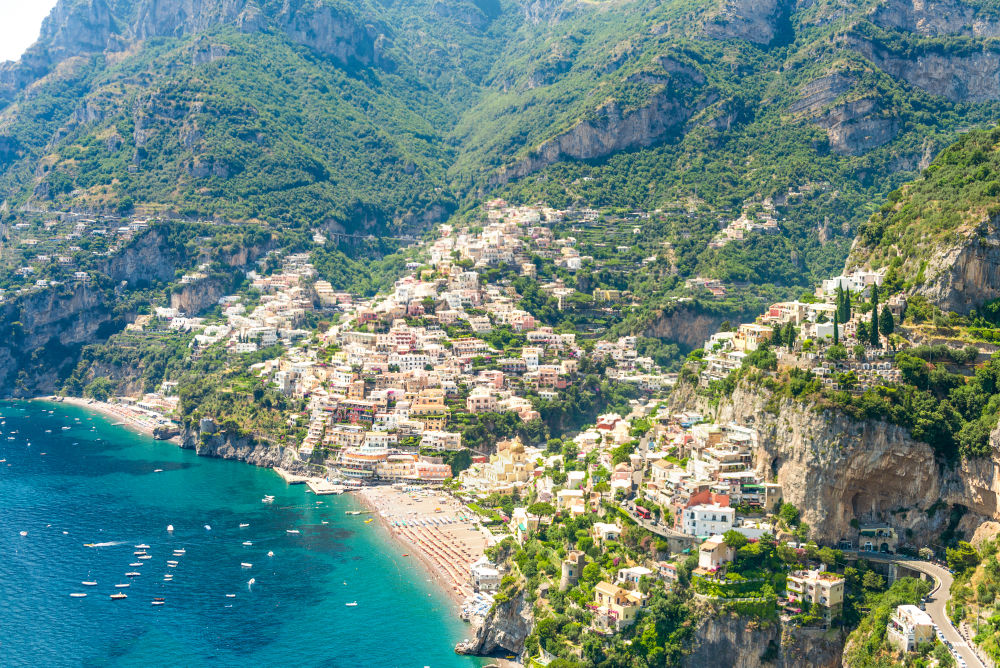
381, 116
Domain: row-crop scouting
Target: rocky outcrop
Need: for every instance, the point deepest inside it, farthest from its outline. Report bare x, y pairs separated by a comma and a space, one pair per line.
932, 19
817, 94
687, 327
758, 21
738, 642
504, 629
960, 76
613, 127
86, 27
241, 448
856, 127
966, 274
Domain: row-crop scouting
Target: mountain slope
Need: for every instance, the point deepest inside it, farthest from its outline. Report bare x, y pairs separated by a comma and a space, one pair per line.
386, 115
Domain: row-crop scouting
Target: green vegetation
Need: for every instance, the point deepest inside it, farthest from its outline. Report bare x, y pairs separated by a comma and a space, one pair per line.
867, 645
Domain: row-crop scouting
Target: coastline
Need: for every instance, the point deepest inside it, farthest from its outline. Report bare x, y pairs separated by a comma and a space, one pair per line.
439, 531
117, 412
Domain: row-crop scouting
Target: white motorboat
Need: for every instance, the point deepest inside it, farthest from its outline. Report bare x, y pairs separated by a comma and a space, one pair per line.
208, 527
243, 525
292, 531
270, 554
77, 595
245, 564
246, 542
143, 546
24, 533
145, 556
352, 604
135, 564
170, 527
230, 595
89, 583
133, 574
122, 586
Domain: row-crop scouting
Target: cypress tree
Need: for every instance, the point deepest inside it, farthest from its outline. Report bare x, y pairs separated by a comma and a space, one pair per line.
846, 315
874, 326
836, 328
840, 301
886, 323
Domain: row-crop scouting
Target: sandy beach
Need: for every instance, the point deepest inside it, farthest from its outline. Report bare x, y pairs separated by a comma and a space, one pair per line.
135, 419
437, 528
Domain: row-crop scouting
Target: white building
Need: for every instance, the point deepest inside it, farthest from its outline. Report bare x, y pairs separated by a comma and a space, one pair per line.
708, 519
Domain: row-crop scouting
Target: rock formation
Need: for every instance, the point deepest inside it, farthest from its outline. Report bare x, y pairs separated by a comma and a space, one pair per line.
722, 639
505, 628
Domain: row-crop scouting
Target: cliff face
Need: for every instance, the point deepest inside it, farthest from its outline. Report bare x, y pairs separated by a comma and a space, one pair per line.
836, 469
504, 629
959, 77
684, 327
856, 127
758, 21
244, 449
729, 640
84, 27
932, 19
613, 128
967, 274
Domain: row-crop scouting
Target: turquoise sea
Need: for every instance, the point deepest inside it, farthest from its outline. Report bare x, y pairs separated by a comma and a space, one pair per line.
96, 483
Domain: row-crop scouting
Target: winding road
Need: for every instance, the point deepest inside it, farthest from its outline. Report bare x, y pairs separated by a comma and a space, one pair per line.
936, 602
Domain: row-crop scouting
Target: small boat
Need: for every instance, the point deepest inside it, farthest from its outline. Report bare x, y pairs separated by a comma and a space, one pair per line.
291, 531
171, 565
135, 564
122, 586
119, 596
230, 595
245, 564
171, 561
208, 527
246, 542
406, 554
351, 604
267, 499
270, 554
157, 470
180, 550
139, 552
145, 556
251, 582
158, 598
133, 574
243, 525
170, 527
369, 520
77, 595
89, 583
325, 522
157, 603
24, 533
143, 546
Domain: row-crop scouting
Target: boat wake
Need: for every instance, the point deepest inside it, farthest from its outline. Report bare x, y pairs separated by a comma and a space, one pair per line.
108, 544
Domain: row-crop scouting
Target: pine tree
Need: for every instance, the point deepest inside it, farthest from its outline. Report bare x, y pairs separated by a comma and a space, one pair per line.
886, 323
836, 328
874, 325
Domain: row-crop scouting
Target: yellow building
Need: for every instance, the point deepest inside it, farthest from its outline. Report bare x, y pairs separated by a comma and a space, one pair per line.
509, 465
615, 608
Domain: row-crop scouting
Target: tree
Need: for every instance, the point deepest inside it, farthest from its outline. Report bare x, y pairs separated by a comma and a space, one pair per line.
874, 326
872, 581
886, 323
962, 557
734, 539
542, 508
789, 514
788, 336
836, 328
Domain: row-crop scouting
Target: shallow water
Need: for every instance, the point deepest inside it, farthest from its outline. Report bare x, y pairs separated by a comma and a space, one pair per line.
95, 483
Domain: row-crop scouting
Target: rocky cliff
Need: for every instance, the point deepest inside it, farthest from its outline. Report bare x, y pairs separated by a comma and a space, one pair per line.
932, 18
85, 27
687, 327
738, 642
504, 629
963, 275
614, 127
759, 21
209, 442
